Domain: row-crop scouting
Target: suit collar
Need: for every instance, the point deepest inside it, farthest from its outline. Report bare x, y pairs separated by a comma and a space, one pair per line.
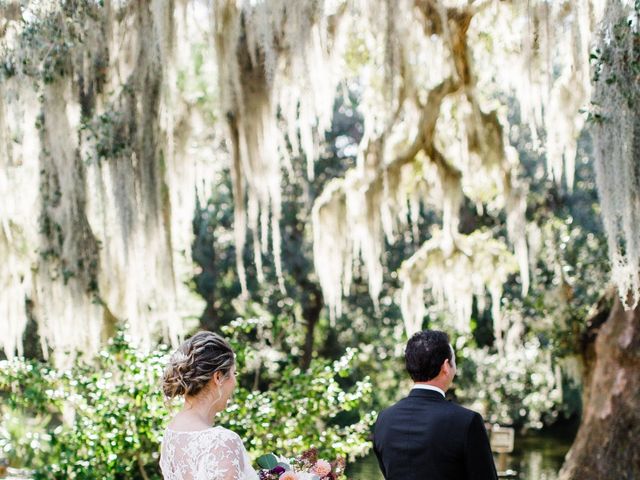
427, 394
429, 387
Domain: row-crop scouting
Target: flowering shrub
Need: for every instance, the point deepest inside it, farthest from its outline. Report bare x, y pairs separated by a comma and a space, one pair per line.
521, 387
104, 418
331, 414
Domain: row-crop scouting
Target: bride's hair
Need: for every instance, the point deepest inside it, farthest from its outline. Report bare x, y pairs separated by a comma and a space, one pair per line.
192, 366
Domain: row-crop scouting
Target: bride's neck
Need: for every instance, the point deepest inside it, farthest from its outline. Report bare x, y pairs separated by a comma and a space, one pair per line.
200, 410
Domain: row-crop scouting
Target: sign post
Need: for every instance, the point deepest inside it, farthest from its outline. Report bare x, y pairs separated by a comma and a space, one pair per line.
502, 440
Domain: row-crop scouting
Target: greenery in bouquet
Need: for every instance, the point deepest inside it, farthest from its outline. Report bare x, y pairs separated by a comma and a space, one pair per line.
307, 466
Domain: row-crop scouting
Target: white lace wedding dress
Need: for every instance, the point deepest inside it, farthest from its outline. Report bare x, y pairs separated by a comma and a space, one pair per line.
212, 454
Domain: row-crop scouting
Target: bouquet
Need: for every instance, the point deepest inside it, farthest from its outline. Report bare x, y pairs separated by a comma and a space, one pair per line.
305, 467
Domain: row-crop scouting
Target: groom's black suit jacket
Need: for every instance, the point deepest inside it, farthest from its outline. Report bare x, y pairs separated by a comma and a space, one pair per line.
425, 437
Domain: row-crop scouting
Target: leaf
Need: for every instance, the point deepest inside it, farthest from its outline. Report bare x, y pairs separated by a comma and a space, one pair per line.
268, 461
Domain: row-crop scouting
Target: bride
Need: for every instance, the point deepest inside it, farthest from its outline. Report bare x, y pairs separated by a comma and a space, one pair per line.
203, 372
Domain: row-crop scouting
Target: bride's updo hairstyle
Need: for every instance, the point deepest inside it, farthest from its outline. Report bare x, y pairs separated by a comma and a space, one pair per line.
192, 366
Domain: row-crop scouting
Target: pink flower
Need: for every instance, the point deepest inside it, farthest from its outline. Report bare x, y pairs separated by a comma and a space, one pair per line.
288, 476
322, 468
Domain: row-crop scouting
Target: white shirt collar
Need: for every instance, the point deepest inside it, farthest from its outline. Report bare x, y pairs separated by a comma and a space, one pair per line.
429, 387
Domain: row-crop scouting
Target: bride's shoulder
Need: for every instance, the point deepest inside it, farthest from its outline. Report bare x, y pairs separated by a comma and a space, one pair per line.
226, 433
226, 439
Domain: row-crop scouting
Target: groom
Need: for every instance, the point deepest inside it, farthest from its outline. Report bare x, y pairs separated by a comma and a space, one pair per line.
425, 437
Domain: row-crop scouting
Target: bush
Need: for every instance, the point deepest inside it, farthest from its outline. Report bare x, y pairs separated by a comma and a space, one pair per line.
296, 410
104, 418
106, 415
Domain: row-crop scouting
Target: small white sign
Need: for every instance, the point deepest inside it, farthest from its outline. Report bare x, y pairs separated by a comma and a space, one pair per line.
502, 439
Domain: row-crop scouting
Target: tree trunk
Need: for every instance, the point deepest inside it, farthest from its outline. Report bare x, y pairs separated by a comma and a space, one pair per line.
607, 445
311, 314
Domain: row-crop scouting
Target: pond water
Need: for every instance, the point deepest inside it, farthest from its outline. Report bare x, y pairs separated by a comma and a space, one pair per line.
535, 457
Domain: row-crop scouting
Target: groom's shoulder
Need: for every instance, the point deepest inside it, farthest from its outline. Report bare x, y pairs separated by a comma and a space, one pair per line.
391, 410
406, 404
464, 412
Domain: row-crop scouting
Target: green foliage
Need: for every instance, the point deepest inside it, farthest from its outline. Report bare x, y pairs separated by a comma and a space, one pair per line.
104, 418
108, 412
332, 412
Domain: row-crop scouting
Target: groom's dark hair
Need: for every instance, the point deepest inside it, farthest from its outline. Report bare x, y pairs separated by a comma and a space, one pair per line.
425, 353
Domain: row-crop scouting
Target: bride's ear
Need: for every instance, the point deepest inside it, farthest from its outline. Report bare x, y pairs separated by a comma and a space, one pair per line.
217, 378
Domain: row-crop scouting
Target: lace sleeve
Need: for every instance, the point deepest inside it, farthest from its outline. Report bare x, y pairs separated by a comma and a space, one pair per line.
228, 455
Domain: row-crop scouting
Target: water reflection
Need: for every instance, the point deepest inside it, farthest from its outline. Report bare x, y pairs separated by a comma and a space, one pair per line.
536, 457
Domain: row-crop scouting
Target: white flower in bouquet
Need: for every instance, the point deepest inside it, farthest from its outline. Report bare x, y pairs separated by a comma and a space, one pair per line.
306, 476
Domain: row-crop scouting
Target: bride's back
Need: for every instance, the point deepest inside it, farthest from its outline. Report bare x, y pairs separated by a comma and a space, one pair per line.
211, 454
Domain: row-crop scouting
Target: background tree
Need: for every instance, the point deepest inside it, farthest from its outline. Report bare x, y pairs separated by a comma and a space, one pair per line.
612, 338
99, 103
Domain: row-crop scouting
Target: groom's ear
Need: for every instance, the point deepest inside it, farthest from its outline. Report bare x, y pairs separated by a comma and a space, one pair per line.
445, 366
448, 364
